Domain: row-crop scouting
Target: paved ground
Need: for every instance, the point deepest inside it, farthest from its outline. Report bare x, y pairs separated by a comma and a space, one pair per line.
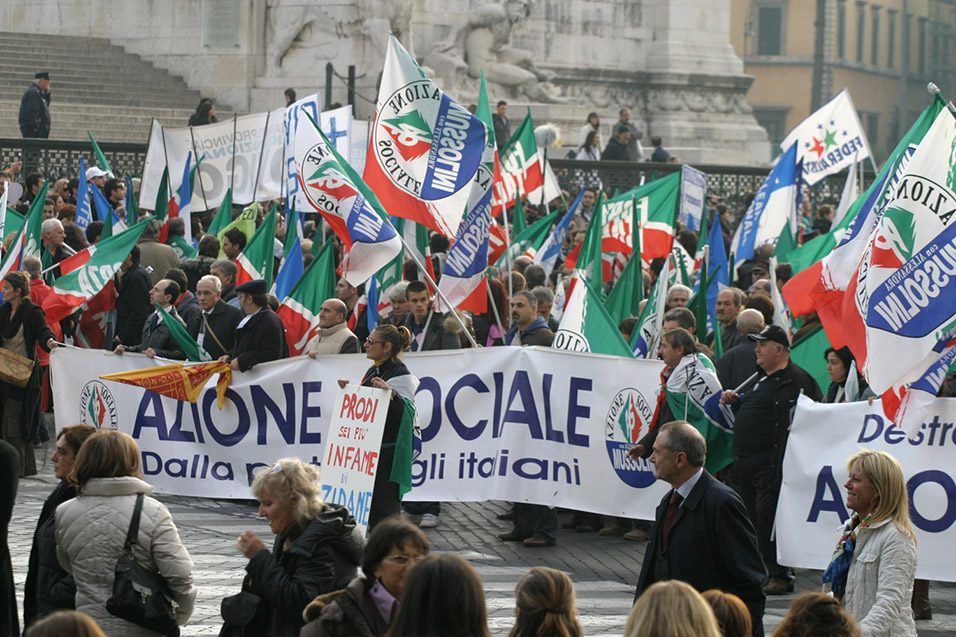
604, 569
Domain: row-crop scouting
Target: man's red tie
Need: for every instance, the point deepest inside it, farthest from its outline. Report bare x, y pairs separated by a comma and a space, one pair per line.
669, 516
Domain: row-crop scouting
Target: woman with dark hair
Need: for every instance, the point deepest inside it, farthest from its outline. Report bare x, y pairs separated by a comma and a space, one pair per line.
590, 150
488, 331
843, 387
22, 327
91, 531
369, 605
443, 596
194, 118
545, 605
206, 114
592, 124
384, 346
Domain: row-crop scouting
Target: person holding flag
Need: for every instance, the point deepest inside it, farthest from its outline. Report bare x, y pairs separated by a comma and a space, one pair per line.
157, 340
761, 427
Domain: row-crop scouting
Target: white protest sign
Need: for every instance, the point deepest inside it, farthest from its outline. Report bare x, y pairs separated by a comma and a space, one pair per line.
509, 423
352, 449
812, 505
693, 189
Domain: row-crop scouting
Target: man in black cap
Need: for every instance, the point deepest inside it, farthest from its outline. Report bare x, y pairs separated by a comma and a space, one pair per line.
761, 427
260, 335
35, 108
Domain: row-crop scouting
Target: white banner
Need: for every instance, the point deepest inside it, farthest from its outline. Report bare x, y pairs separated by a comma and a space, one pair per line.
244, 153
523, 424
693, 191
351, 451
812, 504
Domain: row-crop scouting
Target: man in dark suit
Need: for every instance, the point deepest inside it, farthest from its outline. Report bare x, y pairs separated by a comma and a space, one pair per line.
260, 335
214, 328
701, 534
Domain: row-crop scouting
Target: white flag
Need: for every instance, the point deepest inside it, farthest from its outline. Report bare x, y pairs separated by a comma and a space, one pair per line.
830, 140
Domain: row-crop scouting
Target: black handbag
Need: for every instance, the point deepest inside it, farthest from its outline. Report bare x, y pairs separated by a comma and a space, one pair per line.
244, 613
139, 595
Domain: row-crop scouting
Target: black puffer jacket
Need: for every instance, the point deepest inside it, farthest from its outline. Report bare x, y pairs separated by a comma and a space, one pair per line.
324, 558
48, 586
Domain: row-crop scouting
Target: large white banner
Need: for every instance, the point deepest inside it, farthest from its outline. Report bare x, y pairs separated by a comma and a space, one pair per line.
245, 153
524, 424
812, 505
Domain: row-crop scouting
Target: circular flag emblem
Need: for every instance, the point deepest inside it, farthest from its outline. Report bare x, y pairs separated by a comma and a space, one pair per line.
429, 146
97, 406
628, 419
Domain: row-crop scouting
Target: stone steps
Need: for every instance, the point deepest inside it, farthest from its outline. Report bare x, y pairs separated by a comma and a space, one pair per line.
97, 87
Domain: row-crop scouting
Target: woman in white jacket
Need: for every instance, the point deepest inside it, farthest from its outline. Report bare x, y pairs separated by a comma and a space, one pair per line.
91, 530
874, 562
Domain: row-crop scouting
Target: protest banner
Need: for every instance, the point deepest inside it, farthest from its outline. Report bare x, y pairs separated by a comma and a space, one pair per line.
811, 509
351, 451
693, 189
522, 424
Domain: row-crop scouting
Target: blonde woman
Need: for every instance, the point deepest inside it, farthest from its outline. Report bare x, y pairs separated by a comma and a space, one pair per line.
671, 609
91, 530
545, 605
874, 561
317, 548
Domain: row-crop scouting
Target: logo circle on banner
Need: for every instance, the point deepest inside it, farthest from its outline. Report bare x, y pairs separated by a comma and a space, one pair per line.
628, 419
418, 138
98, 407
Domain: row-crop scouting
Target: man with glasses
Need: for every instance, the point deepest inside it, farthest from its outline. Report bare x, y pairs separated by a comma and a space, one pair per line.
214, 328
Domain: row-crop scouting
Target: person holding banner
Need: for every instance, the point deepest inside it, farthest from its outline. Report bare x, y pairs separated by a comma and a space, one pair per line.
384, 347
844, 388
874, 561
22, 328
317, 549
260, 335
369, 605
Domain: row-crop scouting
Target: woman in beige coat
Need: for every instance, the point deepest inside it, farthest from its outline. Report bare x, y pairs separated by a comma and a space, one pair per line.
875, 558
91, 530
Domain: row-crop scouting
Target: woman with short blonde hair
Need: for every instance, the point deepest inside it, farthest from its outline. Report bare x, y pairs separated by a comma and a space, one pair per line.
671, 609
317, 548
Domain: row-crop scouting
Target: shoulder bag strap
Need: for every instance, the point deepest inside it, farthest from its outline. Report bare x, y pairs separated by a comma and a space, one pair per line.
134, 525
210, 330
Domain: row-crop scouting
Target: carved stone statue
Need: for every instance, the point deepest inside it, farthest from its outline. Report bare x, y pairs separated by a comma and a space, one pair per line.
484, 44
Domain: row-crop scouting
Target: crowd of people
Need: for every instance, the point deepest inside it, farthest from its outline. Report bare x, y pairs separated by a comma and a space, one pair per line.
710, 559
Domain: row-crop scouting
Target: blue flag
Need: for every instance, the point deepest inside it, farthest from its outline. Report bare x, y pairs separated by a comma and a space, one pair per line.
83, 213
550, 250
371, 314
774, 205
292, 268
103, 207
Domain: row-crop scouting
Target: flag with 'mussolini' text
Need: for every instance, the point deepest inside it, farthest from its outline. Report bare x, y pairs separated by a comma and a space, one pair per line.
424, 150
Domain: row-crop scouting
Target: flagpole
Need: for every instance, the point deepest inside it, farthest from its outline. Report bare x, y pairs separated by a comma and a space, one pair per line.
494, 306
262, 150
202, 189
508, 263
441, 295
169, 192
232, 174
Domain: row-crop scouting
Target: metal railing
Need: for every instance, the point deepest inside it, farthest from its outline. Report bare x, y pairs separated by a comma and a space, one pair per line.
732, 184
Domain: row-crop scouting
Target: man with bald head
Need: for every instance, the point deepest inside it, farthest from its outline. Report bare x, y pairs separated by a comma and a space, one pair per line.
214, 328
740, 362
334, 335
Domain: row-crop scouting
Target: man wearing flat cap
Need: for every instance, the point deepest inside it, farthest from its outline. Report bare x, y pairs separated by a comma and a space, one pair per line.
761, 427
260, 335
35, 108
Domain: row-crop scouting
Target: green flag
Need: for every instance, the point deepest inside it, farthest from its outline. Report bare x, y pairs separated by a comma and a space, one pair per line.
183, 248
161, 209
100, 157
300, 309
589, 257
404, 449
520, 221
808, 354
586, 326
223, 215
246, 222
132, 210
186, 342
531, 238
785, 244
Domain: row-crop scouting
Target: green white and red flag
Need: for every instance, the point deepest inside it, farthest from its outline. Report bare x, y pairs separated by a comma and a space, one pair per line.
300, 310
257, 259
77, 287
519, 166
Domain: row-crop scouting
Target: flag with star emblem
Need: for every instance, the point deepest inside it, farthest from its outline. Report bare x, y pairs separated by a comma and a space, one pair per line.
424, 149
829, 140
334, 189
